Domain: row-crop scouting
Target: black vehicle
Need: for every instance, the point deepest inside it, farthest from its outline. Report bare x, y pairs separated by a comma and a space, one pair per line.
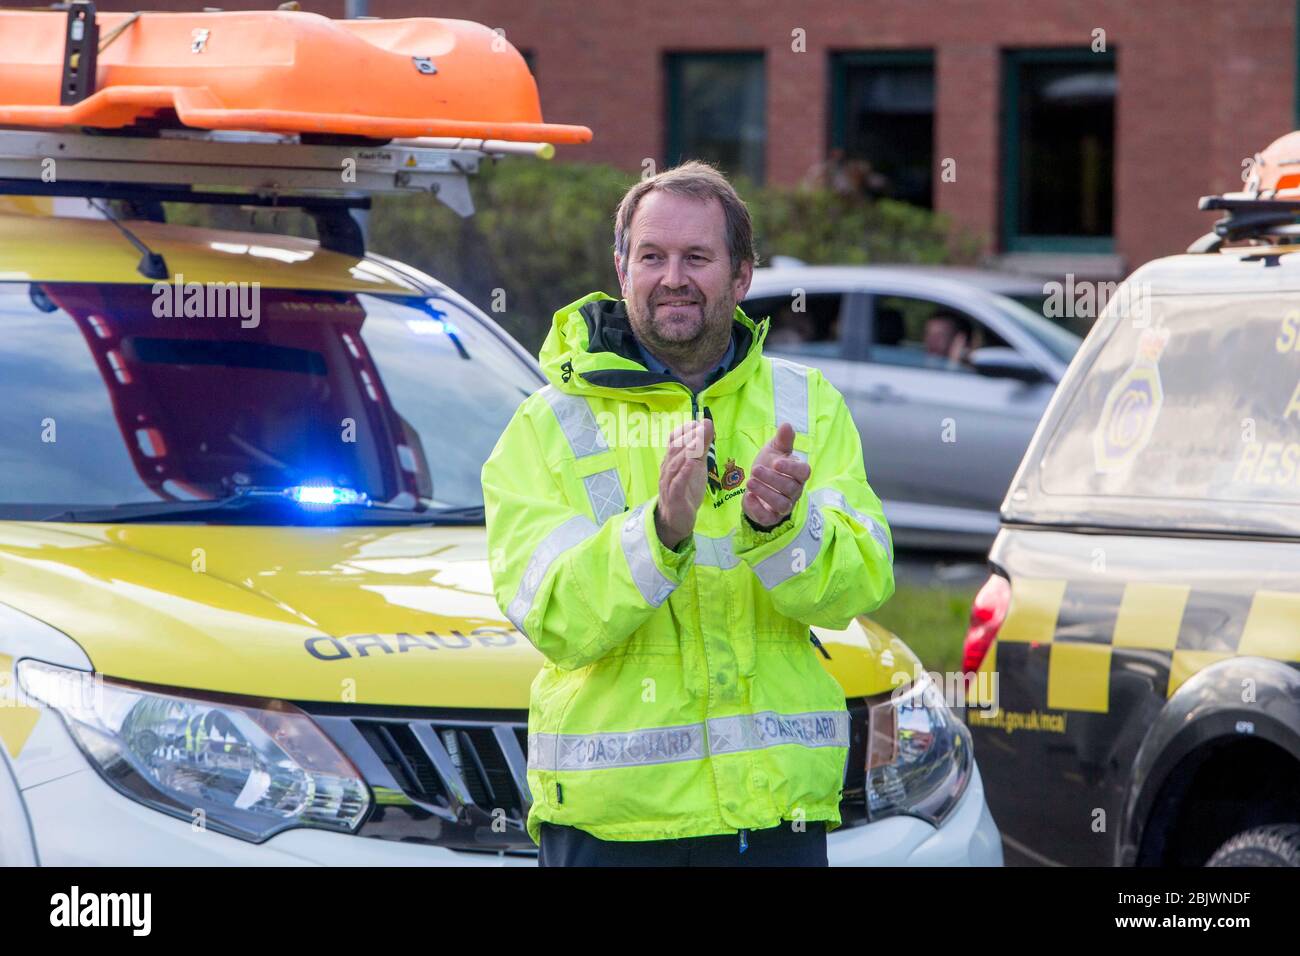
1140, 630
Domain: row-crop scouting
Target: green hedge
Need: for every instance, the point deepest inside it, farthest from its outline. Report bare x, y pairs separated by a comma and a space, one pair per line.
542, 233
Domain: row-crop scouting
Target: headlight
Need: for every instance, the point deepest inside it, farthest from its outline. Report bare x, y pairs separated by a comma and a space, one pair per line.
918, 757
253, 767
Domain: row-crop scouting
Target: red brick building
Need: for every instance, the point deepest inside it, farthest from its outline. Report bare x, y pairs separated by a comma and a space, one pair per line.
1078, 135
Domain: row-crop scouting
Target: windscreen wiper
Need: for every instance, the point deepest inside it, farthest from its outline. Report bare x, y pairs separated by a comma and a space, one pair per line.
272, 508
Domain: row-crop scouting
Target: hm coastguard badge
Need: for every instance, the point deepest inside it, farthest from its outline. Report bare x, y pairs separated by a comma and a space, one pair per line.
732, 475
726, 486
1132, 406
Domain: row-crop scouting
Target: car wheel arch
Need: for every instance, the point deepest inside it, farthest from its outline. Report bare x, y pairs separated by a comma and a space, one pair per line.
1203, 719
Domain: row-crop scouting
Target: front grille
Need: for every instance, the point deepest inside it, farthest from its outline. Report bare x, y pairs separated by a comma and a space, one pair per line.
853, 802
453, 778
458, 778
396, 746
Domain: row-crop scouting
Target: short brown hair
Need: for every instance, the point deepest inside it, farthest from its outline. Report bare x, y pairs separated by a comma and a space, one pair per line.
701, 181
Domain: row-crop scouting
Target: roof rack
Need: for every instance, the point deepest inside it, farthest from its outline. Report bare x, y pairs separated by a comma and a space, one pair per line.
1268, 208
262, 164
247, 169
1249, 218
321, 115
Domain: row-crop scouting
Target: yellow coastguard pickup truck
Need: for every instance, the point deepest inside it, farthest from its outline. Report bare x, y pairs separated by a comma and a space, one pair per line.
245, 607
243, 574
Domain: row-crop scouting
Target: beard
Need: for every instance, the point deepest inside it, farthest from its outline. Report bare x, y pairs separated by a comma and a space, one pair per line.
689, 339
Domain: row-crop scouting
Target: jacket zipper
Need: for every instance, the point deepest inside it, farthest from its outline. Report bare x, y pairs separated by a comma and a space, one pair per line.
695, 415
712, 451
699, 624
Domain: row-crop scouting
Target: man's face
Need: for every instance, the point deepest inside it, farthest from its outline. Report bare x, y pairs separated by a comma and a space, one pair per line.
939, 333
677, 280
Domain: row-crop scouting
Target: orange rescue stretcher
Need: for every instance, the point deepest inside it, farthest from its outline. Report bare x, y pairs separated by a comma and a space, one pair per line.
269, 71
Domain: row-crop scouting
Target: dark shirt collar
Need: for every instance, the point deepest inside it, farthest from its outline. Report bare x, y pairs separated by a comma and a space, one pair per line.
654, 365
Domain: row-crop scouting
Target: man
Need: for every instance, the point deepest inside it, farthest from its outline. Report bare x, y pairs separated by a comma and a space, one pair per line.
669, 573
946, 341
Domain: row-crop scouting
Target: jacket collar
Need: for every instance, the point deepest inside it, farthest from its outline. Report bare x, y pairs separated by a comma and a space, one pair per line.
591, 349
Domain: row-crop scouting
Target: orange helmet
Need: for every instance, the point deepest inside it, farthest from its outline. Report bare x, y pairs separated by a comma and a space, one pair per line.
1275, 171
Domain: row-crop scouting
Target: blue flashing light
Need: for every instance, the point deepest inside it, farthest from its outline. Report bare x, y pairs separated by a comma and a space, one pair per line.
327, 495
431, 327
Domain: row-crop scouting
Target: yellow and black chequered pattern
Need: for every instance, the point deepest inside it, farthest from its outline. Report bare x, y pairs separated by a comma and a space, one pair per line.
1085, 630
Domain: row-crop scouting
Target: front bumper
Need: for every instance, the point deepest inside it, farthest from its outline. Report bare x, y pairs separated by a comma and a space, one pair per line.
60, 812
78, 820
968, 837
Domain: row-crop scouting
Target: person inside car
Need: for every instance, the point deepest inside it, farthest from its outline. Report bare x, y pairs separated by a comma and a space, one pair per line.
947, 340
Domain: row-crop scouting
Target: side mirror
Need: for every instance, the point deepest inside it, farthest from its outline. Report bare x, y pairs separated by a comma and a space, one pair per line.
996, 361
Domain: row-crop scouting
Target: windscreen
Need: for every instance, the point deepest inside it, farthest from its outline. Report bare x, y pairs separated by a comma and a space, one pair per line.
112, 394
1199, 400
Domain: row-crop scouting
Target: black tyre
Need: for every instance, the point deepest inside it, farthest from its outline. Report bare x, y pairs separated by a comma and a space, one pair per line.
1274, 845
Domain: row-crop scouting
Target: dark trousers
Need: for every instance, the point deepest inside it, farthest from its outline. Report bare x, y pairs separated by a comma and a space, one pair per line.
779, 846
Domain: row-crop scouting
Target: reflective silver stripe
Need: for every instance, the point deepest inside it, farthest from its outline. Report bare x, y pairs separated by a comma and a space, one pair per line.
790, 388
576, 421
650, 581
636, 748
657, 745
820, 728
605, 492
716, 552
576, 529
790, 393
581, 430
835, 499
795, 556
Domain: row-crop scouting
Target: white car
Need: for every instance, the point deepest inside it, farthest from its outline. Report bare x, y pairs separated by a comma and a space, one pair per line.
945, 374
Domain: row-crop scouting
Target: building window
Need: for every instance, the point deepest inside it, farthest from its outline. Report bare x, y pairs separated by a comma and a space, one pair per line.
717, 111
882, 124
1058, 150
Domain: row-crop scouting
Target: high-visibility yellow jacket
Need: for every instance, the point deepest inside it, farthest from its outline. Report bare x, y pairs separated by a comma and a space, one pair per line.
681, 695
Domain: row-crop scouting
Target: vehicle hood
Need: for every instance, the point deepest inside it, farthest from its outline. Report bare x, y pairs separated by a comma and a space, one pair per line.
370, 615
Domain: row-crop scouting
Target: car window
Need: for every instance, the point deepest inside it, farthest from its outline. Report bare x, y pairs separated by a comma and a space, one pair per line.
1061, 342
103, 401
920, 333
802, 323
1197, 401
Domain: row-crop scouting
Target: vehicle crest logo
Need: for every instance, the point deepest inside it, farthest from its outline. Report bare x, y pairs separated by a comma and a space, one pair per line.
1128, 416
